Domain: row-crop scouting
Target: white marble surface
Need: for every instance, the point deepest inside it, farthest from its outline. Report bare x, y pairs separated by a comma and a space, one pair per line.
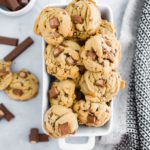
14, 135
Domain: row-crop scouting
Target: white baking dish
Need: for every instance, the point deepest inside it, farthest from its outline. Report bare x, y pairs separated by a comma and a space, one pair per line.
91, 132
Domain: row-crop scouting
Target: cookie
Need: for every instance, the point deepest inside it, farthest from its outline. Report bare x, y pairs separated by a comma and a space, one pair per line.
53, 24
106, 28
62, 60
5, 74
60, 121
92, 113
103, 85
24, 86
101, 53
85, 17
62, 93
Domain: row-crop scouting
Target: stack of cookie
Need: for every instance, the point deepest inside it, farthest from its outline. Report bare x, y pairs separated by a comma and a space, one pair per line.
82, 54
20, 86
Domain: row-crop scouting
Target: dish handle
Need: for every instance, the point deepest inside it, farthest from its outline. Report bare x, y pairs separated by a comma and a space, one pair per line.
83, 146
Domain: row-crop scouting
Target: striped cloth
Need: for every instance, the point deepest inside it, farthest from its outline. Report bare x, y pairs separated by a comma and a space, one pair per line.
138, 113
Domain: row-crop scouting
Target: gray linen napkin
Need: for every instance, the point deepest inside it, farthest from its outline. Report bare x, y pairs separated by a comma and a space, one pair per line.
138, 108
128, 36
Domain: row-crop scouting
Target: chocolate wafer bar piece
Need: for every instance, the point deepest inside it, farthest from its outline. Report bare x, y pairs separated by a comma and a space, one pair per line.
7, 114
13, 5
8, 41
43, 138
34, 136
19, 49
2, 2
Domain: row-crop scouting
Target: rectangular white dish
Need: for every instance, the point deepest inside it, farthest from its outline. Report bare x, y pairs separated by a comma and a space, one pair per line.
83, 130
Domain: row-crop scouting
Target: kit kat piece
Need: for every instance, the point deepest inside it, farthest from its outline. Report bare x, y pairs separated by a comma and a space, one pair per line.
8, 41
43, 138
7, 114
19, 49
13, 5
34, 136
2, 2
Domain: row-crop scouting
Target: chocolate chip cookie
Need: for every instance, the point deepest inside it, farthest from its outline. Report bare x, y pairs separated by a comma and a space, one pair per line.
60, 121
101, 53
103, 85
24, 86
92, 113
5, 74
62, 60
62, 93
53, 24
85, 17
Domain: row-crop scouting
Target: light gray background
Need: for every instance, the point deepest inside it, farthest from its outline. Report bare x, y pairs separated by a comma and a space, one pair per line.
14, 135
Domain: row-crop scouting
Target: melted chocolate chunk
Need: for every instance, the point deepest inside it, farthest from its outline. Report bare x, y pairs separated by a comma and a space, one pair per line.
53, 92
91, 119
92, 55
3, 73
54, 23
64, 128
77, 19
17, 92
57, 51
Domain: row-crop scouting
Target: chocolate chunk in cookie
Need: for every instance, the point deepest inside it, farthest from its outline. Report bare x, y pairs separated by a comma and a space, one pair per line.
91, 119
82, 69
70, 61
53, 92
77, 19
3, 73
57, 51
64, 128
110, 57
92, 55
17, 92
54, 23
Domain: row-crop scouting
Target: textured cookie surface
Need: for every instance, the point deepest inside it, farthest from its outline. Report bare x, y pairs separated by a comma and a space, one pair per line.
24, 86
60, 121
53, 24
101, 53
5, 74
91, 113
85, 17
62, 60
62, 93
103, 85
106, 28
